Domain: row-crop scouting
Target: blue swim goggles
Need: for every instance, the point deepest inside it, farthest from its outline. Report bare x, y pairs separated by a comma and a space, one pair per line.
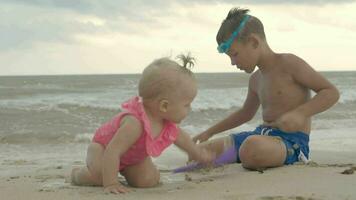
225, 46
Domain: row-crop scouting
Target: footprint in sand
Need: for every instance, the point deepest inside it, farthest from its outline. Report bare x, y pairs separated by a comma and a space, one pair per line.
18, 162
44, 177
349, 171
286, 198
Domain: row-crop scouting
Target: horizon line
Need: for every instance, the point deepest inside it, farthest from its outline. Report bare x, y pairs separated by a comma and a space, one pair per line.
104, 74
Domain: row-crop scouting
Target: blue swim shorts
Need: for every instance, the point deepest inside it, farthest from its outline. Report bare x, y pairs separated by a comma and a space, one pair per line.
297, 143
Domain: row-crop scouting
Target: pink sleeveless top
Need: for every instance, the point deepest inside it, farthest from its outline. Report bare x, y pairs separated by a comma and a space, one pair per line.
146, 145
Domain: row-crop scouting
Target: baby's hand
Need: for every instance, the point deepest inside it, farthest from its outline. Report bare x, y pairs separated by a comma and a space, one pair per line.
116, 189
205, 156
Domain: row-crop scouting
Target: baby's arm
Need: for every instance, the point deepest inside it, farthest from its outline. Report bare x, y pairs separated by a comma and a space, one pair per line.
241, 116
195, 152
129, 131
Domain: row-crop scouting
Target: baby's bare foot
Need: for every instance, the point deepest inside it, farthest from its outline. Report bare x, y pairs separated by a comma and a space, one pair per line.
73, 177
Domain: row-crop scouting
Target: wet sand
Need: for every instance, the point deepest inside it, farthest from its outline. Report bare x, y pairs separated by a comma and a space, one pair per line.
322, 179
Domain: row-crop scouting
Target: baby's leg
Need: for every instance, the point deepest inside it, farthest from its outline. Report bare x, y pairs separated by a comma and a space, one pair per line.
90, 174
142, 175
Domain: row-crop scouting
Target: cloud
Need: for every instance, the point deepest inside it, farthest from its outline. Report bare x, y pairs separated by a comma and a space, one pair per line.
66, 36
22, 26
136, 9
24, 23
305, 2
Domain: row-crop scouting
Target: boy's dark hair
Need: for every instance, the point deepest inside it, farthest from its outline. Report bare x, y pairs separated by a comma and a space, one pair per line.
233, 20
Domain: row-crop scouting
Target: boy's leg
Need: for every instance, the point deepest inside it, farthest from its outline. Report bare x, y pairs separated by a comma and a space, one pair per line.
143, 174
259, 151
90, 174
218, 145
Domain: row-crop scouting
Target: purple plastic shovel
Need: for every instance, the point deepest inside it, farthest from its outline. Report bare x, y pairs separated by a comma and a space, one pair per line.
229, 156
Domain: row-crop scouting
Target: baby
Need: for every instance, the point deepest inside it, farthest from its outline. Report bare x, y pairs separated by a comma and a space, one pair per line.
146, 126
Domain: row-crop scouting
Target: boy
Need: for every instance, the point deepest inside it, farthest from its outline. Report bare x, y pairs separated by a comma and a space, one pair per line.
281, 85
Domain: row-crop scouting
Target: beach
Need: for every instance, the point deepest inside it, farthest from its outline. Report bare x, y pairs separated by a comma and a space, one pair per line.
47, 123
315, 181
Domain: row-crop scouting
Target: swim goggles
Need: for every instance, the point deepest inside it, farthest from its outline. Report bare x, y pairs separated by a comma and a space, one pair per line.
225, 46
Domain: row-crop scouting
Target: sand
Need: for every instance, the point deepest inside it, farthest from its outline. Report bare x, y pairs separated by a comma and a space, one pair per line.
331, 176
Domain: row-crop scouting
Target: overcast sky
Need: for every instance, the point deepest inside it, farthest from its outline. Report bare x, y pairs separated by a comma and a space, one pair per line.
117, 36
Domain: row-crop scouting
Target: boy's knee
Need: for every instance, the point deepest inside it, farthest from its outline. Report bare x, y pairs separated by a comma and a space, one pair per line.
250, 152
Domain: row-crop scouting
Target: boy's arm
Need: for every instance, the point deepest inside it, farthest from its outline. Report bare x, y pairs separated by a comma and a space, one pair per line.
243, 115
326, 96
129, 131
195, 152
326, 93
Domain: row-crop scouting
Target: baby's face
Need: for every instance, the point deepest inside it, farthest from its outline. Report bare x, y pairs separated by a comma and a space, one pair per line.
180, 101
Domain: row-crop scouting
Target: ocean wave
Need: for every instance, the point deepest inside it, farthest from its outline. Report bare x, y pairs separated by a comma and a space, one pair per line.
108, 99
112, 99
347, 94
38, 138
207, 99
219, 99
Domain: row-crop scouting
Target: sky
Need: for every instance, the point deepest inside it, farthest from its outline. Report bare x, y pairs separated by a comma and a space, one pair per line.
43, 37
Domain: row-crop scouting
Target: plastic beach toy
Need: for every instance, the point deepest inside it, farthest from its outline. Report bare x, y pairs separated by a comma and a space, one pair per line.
229, 156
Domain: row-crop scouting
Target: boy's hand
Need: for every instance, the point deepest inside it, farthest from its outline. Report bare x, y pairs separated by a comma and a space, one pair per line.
202, 137
289, 122
116, 189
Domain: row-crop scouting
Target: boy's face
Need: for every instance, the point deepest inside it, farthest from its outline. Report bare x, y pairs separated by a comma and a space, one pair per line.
243, 55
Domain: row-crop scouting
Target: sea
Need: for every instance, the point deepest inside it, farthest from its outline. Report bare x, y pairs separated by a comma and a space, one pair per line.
50, 120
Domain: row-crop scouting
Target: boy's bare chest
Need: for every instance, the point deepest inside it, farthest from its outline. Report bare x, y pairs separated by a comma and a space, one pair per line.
279, 89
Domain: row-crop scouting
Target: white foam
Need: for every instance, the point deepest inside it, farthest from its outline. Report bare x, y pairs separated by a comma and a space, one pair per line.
339, 140
347, 93
109, 99
219, 98
84, 137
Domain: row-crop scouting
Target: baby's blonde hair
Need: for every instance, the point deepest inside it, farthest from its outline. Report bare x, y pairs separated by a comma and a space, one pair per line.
164, 75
